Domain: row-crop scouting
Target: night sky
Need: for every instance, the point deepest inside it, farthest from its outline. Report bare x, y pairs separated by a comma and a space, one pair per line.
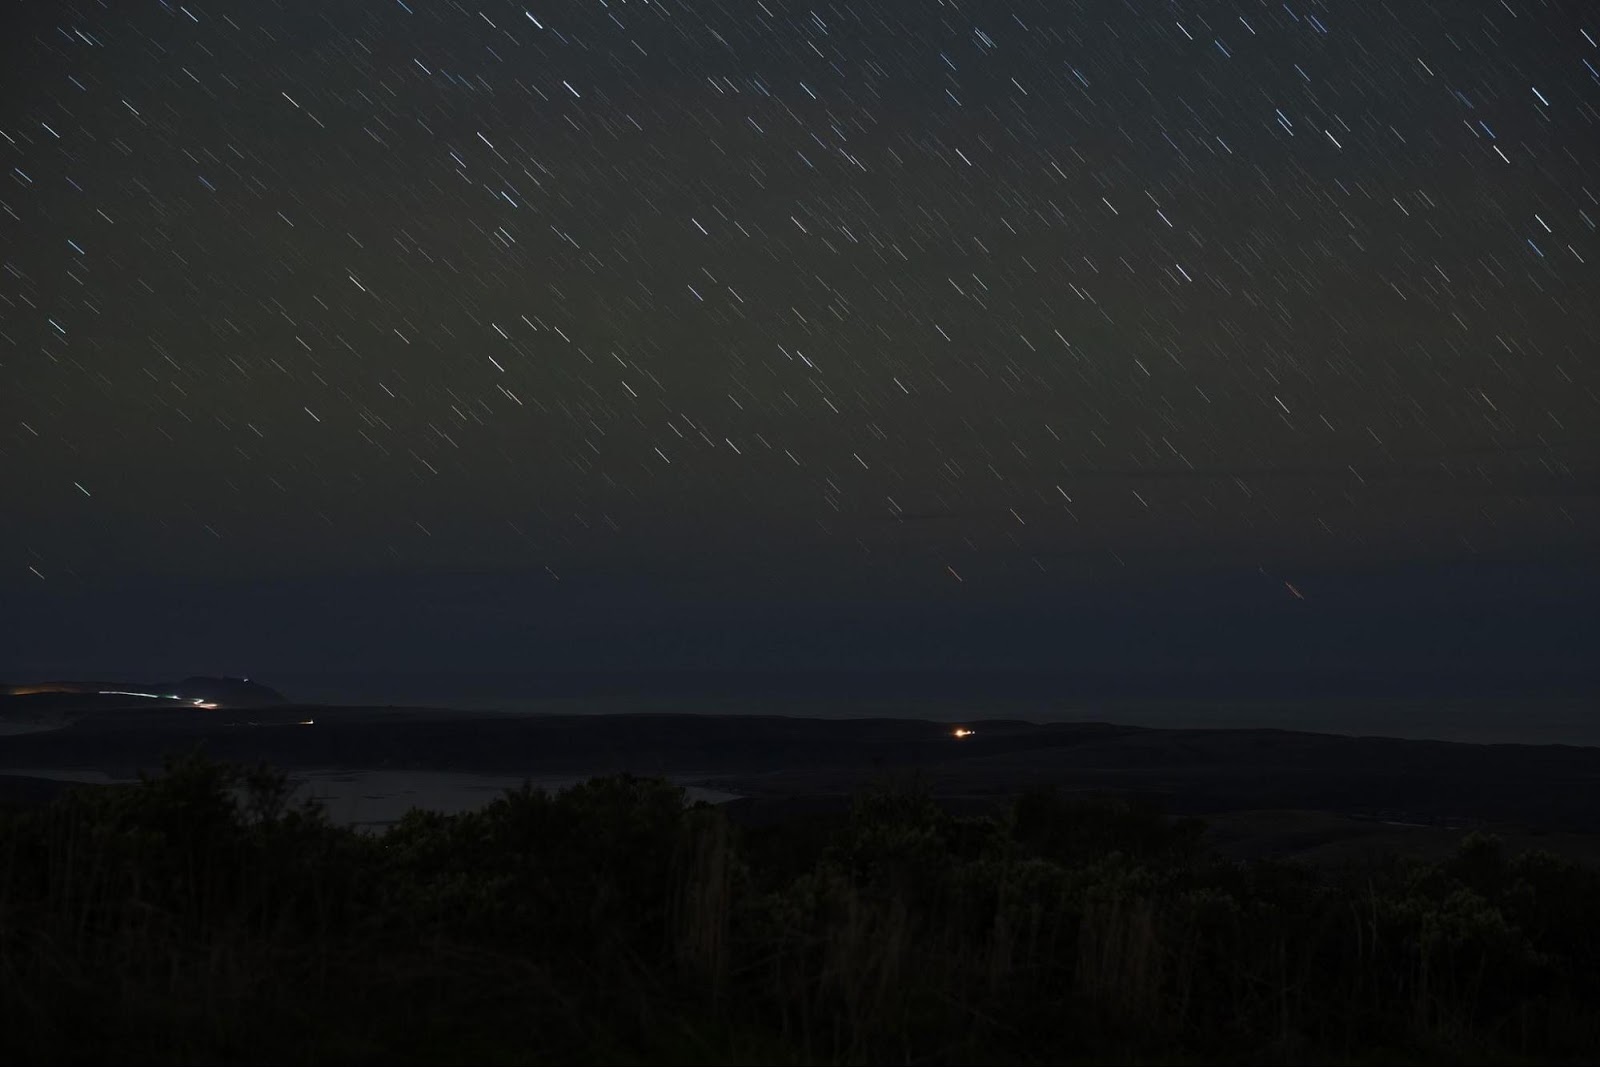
1246, 336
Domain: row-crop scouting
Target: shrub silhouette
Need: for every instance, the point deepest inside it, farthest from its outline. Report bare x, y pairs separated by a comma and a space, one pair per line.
200, 915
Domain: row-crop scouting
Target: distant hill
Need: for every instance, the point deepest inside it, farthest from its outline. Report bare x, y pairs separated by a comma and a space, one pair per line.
230, 692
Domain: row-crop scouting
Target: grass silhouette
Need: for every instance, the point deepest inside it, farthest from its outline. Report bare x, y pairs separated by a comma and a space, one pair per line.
199, 916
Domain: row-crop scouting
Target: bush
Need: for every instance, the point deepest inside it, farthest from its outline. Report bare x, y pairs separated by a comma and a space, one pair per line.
197, 915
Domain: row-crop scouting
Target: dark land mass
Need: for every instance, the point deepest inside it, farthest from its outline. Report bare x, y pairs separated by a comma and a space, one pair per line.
1317, 796
73, 695
610, 922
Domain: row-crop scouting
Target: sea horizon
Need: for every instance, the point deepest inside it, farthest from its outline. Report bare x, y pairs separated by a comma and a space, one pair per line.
1534, 708
1498, 709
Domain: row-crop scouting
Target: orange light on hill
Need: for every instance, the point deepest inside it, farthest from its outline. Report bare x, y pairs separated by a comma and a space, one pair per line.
962, 731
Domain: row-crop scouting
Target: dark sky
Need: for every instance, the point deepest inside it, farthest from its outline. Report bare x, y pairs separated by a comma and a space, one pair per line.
425, 335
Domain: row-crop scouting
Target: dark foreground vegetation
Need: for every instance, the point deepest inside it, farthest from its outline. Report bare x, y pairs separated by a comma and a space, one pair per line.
198, 917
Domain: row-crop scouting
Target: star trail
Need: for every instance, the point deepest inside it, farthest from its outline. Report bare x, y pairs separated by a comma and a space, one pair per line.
905, 300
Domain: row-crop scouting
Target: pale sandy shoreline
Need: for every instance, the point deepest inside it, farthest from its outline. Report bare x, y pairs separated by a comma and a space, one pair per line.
377, 798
